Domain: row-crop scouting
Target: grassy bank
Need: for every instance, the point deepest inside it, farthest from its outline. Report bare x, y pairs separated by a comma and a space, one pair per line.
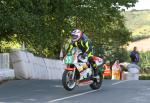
145, 61
145, 65
144, 77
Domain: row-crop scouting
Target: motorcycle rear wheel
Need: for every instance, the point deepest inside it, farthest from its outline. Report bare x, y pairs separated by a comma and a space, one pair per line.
97, 82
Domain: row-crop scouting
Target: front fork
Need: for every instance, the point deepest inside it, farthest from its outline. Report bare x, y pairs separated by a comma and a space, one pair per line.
73, 74
71, 69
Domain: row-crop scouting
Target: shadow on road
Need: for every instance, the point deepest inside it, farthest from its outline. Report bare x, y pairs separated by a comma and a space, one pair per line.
35, 91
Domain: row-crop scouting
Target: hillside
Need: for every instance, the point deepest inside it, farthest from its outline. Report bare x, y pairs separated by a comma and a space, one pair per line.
142, 45
138, 22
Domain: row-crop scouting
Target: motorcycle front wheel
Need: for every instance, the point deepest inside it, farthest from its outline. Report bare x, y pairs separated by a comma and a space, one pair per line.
67, 81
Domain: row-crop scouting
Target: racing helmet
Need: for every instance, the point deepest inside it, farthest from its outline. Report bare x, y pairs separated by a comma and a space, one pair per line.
76, 33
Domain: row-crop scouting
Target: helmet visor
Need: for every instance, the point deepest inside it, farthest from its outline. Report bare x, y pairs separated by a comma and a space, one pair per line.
75, 36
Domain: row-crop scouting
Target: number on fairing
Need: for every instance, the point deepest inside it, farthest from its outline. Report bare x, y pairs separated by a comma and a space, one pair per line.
68, 60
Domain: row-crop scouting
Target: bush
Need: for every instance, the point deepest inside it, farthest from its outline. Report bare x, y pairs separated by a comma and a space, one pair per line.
145, 60
144, 77
140, 37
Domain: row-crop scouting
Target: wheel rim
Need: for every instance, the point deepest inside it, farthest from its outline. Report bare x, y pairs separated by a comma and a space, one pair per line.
97, 81
69, 81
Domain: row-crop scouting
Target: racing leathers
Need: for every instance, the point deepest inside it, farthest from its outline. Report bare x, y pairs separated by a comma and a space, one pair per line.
85, 45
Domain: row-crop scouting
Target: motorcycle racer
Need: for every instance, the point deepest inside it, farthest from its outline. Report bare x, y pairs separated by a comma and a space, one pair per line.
81, 41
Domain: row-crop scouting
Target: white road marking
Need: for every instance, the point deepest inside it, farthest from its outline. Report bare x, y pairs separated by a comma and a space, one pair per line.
58, 86
80, 94
120, 82
76, 95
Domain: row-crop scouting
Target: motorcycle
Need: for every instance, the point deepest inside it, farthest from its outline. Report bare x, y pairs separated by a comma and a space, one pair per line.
78, 71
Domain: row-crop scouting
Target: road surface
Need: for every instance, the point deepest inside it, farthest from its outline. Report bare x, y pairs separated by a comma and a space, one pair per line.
48, 91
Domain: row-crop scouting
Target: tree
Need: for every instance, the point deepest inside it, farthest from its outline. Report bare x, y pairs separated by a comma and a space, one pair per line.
43, 24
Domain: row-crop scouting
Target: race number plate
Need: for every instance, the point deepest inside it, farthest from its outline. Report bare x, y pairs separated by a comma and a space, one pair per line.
68, 59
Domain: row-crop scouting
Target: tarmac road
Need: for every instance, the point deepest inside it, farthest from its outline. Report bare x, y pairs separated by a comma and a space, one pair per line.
48, 91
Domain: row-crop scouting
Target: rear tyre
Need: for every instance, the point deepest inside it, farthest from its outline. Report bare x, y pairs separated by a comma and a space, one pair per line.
67, 81
97, 82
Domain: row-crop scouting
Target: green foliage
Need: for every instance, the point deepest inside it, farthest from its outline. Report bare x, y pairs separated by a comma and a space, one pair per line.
138, 21
139, 37
43, 24
5, 46
144, 77
145, 60
114, 53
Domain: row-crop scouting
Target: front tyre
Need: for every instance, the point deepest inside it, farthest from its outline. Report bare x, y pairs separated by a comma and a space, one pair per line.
97, 82
67, 81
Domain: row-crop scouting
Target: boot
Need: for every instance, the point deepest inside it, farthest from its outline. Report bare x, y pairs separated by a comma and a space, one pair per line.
96, 73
